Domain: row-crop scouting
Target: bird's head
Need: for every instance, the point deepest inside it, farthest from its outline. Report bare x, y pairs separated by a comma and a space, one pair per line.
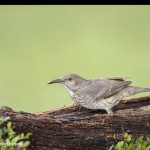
69, 80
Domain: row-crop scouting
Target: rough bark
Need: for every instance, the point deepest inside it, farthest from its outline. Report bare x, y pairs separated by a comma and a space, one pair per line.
70, 128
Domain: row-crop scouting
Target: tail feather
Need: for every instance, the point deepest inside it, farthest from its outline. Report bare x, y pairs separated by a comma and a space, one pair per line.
132, 90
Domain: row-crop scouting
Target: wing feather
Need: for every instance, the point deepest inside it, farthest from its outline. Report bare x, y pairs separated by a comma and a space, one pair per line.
114, 85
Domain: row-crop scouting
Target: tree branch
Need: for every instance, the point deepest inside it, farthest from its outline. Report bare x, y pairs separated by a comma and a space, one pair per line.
70, 128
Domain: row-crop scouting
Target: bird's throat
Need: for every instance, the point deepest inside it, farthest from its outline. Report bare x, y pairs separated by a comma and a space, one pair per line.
70, 91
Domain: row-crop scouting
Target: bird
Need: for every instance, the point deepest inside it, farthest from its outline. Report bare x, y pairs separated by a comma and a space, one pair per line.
98, 94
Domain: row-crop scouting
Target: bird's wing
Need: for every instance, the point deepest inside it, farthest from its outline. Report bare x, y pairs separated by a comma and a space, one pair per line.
113, 85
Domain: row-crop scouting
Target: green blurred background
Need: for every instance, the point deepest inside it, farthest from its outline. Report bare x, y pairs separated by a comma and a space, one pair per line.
41, 43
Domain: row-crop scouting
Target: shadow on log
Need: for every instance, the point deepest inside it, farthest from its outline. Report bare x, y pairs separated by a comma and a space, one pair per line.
70, 128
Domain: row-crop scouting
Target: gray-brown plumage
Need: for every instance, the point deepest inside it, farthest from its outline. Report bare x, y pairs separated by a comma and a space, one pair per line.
103, 93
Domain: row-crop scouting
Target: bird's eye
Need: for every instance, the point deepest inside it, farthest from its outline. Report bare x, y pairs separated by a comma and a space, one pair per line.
69, 79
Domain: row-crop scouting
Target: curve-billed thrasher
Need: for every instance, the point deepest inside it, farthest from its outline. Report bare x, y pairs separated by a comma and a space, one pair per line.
102, 93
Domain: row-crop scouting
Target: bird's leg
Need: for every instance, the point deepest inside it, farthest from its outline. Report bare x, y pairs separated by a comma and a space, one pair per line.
78, 106
109, 111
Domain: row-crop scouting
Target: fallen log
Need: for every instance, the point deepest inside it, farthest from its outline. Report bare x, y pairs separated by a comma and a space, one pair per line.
70, 128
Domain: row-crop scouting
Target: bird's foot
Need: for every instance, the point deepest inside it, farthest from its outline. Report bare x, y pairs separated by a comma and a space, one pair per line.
78, 107
109, 111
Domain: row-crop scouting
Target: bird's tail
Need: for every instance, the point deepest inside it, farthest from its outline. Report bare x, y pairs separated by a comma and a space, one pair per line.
132, 90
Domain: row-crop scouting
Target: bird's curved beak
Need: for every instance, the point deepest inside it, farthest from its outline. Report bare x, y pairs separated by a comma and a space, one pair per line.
55, 81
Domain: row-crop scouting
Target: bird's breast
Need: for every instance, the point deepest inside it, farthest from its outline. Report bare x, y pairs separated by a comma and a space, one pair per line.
73, 95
